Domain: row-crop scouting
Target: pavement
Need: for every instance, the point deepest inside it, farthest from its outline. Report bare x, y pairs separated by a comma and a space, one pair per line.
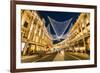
81, 56
31, 58
60, 56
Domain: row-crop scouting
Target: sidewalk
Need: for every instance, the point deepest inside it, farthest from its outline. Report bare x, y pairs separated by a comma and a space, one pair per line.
81, 55
26, 57
29, 58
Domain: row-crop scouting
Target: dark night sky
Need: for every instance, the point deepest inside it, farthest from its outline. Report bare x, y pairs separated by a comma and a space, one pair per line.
58, 16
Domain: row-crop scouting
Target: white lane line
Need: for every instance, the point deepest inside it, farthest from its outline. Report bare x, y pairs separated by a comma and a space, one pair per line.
73, 56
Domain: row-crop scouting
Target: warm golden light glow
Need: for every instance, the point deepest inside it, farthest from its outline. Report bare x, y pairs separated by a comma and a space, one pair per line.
36, 40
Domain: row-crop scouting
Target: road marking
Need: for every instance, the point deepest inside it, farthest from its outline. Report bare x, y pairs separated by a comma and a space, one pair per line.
74, 56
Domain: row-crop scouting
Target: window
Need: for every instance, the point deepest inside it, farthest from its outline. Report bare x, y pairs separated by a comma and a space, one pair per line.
35, 21
25, 24
88, 24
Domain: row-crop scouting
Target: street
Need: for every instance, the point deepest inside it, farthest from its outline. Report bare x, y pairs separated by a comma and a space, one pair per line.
65, 56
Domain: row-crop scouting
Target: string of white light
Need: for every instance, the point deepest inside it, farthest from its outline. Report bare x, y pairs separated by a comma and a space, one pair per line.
55, 24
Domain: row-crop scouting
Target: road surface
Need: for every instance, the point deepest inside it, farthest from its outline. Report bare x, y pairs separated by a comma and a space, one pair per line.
66, 56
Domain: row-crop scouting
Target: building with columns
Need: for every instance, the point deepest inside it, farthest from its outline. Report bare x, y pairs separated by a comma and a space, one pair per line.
78, 38
34, 35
